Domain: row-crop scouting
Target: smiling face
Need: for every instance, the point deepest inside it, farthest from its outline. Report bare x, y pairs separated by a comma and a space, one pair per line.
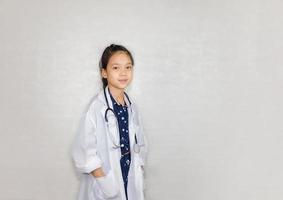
119, 70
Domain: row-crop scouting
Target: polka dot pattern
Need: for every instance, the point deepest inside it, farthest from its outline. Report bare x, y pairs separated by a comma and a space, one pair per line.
125, 161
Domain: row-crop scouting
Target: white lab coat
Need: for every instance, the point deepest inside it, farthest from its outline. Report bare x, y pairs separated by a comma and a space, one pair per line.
93, 148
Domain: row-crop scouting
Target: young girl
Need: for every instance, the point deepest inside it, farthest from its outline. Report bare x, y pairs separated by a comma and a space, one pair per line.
110, 148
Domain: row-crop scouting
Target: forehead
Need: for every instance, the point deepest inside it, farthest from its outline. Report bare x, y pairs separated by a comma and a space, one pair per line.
120, 58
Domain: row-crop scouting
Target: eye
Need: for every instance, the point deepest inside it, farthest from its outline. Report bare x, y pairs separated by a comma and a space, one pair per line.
129, 67
115, 67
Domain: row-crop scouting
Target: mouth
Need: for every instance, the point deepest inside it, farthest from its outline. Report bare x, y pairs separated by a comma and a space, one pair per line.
123, 80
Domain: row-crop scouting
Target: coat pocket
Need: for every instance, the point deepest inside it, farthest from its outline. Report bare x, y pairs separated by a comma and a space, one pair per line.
108, 185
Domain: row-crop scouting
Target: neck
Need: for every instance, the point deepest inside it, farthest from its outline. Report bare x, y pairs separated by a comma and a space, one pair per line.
118, 94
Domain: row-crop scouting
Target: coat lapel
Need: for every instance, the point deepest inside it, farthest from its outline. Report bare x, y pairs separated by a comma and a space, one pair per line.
114, 130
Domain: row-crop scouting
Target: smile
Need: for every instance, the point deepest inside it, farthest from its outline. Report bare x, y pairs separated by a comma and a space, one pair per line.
123, 81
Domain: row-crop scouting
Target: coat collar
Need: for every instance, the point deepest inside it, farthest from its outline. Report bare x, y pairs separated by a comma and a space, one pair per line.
102, 98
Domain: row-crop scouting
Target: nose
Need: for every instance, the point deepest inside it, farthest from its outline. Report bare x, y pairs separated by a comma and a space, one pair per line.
123, 72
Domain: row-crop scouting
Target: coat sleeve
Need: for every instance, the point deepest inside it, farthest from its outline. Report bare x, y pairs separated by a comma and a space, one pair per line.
84, 149
143, 141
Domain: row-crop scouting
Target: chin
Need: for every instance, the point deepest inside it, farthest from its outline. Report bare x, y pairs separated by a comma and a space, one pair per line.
121, 86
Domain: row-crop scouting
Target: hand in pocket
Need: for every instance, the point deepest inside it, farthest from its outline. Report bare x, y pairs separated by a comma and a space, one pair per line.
108, 185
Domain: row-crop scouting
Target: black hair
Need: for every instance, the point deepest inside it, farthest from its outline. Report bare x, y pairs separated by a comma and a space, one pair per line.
106, 55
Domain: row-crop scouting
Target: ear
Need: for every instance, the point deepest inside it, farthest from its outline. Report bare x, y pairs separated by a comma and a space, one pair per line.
103, 73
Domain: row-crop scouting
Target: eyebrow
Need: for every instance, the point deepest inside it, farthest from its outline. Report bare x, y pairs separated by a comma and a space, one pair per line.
120, 64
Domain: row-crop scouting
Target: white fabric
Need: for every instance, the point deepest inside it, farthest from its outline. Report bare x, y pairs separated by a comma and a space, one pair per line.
93, 148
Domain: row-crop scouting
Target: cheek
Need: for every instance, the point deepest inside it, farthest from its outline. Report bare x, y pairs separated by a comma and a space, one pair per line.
112, 75
131, 73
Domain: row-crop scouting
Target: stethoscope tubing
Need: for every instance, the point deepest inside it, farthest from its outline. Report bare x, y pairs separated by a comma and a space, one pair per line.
136, 147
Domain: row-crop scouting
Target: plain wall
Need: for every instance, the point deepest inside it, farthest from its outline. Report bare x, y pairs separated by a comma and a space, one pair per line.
207, 80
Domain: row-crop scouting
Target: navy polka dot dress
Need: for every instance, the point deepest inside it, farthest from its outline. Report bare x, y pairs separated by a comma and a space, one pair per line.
125, 161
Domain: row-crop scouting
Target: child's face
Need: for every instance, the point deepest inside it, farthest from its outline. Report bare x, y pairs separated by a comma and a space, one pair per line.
119, 70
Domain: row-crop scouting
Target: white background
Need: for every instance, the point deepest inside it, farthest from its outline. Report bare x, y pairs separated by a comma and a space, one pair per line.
208, 82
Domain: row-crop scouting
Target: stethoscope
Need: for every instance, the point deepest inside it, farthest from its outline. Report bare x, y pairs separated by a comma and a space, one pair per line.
136, 147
